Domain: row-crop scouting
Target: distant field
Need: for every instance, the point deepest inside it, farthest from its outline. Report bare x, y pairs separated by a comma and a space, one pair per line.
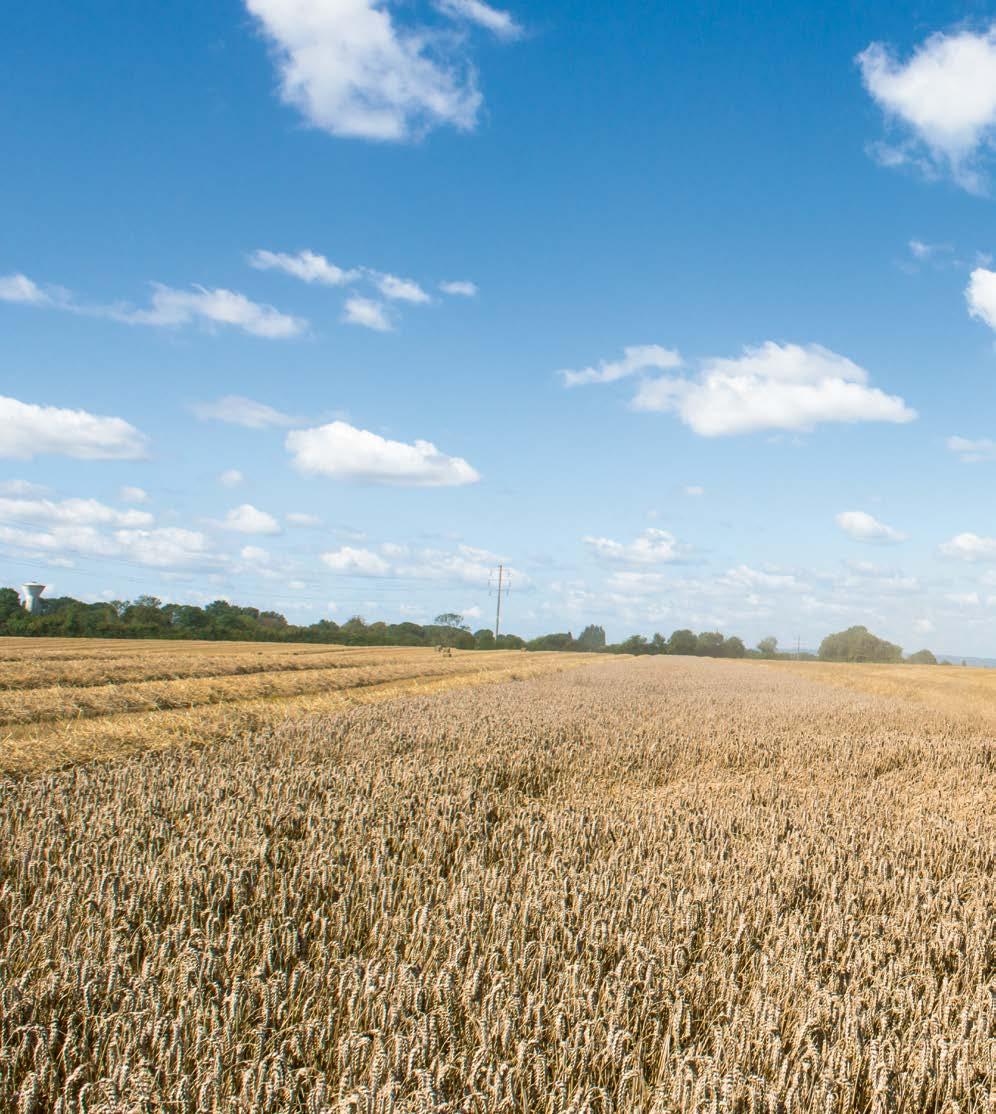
949, 689
642, 886
71, 700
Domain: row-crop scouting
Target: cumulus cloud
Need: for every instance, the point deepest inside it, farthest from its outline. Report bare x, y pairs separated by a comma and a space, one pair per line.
308, 266
981, 296
238, 410
247, 519
491, 19
773, 386
970, 547
165, 548
459, 289
352, 71
943, 98
231, 477
971, 452
362, 562
75, 512
636, 359
864, 528
168, 307
652, 547
341, 451
368, 313
28, 430
296, 518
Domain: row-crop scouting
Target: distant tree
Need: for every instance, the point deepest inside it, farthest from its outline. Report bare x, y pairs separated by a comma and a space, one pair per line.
552, 642
592, 638
450, 619
658, 644
768, 647
858, 644
510, 642
484, 639
10, 605
922, 657
733, 647
682, 642
709, 644
635, 644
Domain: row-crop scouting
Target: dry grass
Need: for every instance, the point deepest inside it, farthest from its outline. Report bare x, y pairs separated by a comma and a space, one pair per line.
645, 887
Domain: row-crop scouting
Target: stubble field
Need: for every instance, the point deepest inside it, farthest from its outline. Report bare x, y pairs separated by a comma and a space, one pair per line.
643, 885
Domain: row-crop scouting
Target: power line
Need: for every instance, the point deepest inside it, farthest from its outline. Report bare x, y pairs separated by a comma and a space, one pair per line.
498, 592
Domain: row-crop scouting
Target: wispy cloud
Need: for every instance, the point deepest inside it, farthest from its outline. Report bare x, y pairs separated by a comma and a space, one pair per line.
246, 412
368, 313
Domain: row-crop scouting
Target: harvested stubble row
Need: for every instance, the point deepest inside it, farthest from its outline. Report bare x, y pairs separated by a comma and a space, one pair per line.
649, 886
47, 728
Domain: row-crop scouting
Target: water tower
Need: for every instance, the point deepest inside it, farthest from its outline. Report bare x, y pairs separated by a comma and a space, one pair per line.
32, 596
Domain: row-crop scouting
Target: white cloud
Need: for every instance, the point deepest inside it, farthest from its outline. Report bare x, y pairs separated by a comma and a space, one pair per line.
231, 477
362, 562
963, 599
22, 488
247, 519
652, 547
460, 289
21, 289
743, 576
945, 98
350, 70
774, 386
165, 548
28, 430
296, 518
128, 494
864, 528
169, 307
491, 19
970, 547
981, 296
76, 512
254, 555
923, 626
694, 490
172, 307
368, 313
400, 289
471, 612
636, 359
344, 452
305, 265
972, 451
237, 410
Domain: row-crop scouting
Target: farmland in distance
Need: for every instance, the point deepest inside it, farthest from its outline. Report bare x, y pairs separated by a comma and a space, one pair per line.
652, 885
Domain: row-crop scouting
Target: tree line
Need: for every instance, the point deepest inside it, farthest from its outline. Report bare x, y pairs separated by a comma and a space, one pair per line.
149, 617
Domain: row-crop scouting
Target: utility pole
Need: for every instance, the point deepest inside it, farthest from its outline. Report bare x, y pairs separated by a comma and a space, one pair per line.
502, 587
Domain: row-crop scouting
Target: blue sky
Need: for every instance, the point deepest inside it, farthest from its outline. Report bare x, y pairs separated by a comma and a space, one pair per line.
685, 313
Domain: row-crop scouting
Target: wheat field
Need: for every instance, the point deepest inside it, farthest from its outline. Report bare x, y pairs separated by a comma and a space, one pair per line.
644, 886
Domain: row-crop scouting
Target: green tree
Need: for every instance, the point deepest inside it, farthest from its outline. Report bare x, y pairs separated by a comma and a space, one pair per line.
733, 647
682, 642
592, 638
658, 644
858, 644
768, 647
922, 657
450, 619
635, 644
709, 644
484, 639
10, 605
